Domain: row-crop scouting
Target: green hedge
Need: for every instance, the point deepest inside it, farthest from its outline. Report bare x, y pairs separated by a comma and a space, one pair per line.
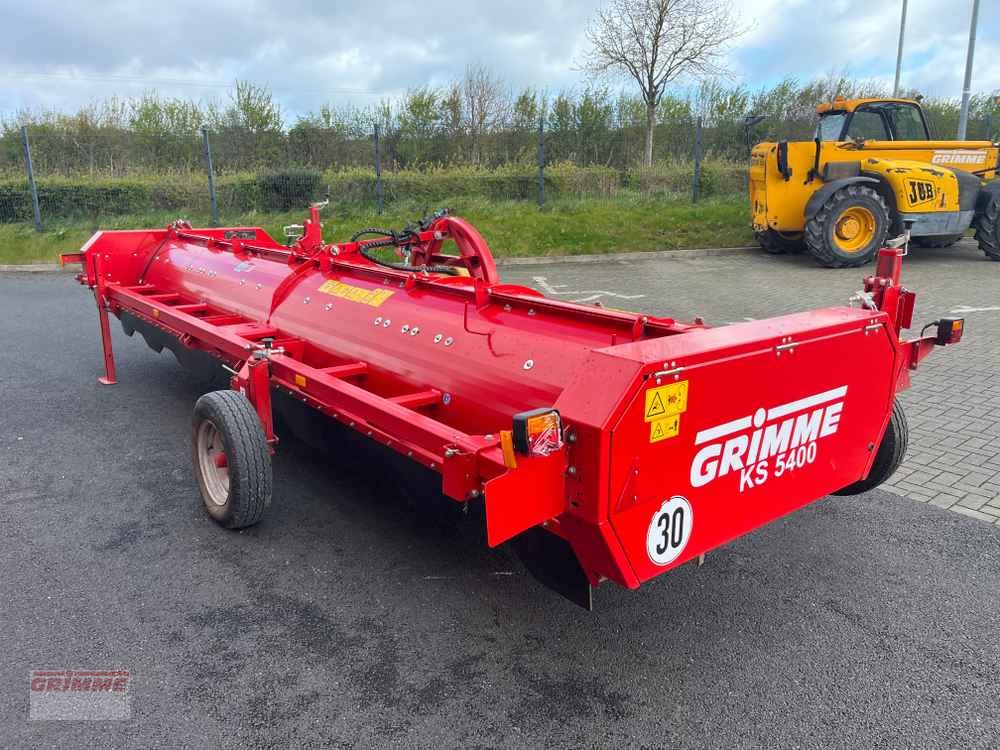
291, 190
718, 177
441, 184
68, 198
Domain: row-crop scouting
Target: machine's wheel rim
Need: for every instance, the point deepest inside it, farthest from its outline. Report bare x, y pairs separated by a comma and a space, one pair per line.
854, 229
212, 463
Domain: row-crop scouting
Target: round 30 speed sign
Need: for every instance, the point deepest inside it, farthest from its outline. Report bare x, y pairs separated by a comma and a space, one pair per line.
669, 530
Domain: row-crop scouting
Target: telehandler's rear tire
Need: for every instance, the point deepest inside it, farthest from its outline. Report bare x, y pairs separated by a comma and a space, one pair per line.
849, 228
890, 453
232, 461
988, 228
946, 241
780, 243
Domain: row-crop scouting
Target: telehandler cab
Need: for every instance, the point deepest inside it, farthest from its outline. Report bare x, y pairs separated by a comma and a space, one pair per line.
871, 170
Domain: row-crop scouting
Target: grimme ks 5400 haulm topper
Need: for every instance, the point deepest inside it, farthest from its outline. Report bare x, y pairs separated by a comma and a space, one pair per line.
607, 445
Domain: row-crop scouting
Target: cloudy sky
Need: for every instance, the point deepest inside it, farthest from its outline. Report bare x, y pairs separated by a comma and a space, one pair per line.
60, 54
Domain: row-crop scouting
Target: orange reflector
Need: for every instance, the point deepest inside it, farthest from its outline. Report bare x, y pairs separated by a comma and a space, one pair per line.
507, 445
300, 380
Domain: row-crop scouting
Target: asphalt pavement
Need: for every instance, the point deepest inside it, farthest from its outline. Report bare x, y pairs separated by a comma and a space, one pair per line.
351, 618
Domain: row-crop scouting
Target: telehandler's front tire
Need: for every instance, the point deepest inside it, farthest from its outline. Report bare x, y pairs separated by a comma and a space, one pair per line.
988, 228
779, 243
849, 228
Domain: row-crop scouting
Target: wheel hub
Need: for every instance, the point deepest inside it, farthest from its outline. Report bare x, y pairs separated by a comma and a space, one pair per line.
212, 463
848, 228
854, 229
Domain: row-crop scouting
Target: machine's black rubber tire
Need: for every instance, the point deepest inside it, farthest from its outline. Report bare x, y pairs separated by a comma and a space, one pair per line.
248, 487
988, 228
946, 241
890, 453
777, 243
819, 234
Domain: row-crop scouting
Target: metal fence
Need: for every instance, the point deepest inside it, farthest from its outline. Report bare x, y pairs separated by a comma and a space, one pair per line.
120, 177
55, 178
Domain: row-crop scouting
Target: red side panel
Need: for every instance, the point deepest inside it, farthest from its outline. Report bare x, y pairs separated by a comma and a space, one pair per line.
745, 434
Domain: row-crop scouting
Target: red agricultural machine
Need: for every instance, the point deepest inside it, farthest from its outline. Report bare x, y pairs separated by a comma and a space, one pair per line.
606, 445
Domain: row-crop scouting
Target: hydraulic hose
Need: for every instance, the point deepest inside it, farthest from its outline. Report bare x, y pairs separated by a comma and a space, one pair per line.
392, 238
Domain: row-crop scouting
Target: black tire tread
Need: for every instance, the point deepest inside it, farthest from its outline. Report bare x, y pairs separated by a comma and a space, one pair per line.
988, 229
890, 454
815, 231
773, 243
947, 241
250, 474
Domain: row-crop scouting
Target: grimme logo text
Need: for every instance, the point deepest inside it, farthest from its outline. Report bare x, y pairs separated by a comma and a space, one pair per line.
768, 443
69, 681
958, 156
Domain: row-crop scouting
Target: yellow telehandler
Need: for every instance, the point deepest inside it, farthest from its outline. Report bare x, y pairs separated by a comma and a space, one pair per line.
871, 171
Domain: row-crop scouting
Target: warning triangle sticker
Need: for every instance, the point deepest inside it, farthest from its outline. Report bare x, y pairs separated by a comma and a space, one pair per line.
664, 427
656, 408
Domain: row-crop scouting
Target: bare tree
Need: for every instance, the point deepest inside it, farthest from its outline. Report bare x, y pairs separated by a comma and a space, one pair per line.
486, 102
655, 41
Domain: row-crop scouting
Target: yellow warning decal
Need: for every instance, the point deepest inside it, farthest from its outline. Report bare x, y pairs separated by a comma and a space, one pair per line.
667, 427
666, 401
373, 297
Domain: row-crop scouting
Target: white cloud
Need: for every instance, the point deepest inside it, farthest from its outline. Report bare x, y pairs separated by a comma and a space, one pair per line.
311, 52
806, 39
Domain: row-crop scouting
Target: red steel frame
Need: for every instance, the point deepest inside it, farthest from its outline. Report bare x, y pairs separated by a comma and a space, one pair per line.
463, 460
261, 356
